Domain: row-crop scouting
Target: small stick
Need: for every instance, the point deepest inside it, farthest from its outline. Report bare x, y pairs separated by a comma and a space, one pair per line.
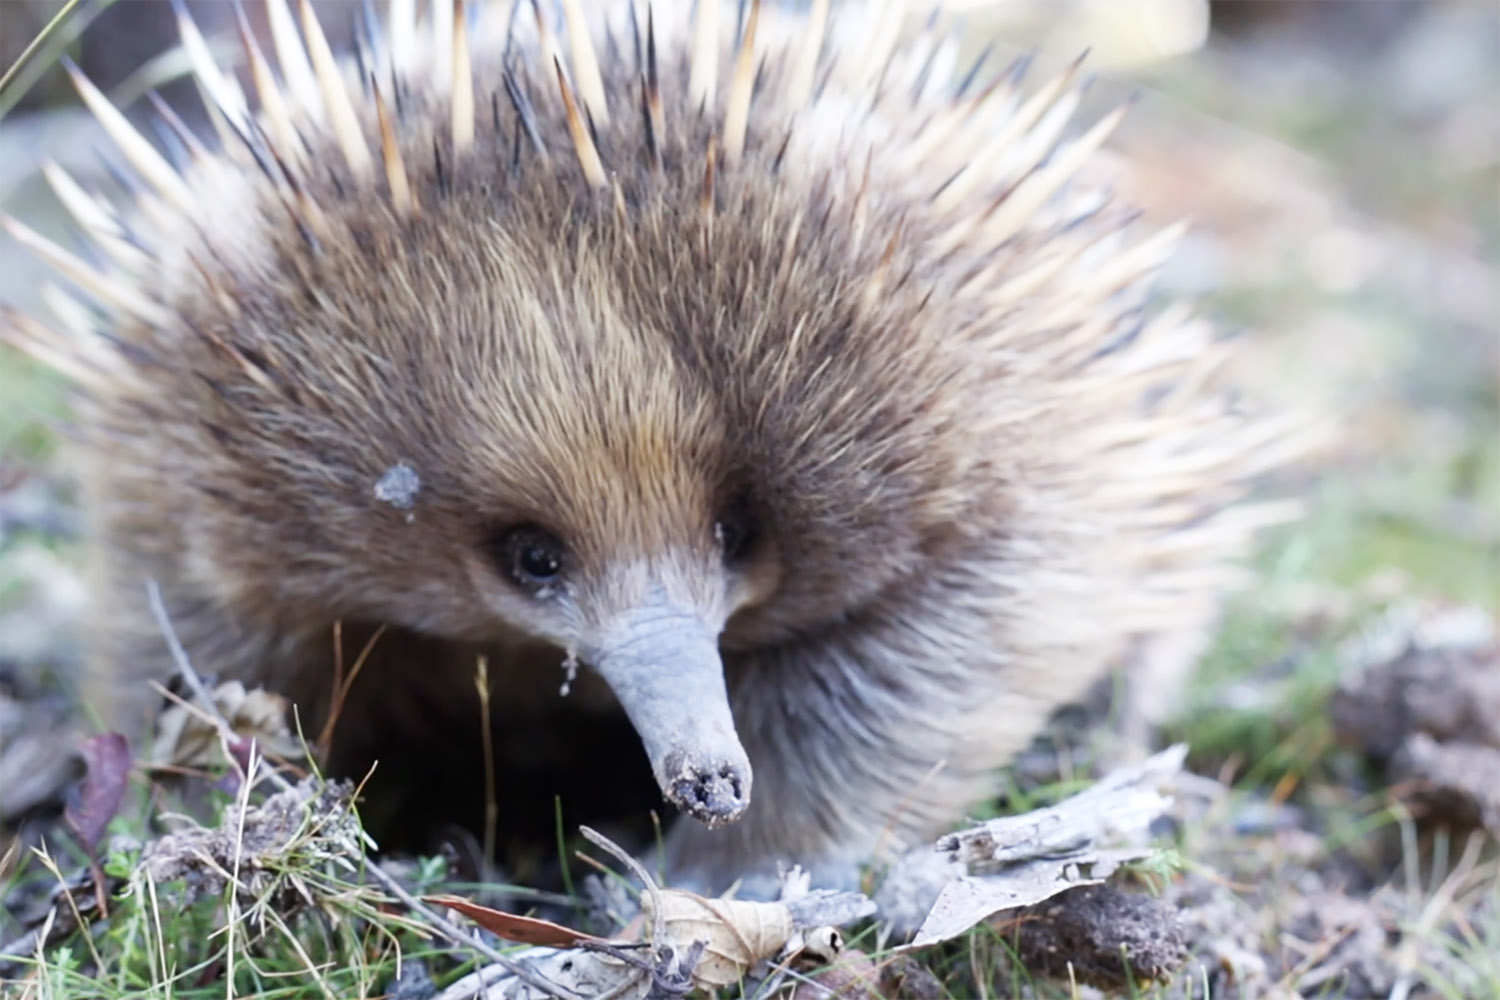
487, 747
341, 693
179, 655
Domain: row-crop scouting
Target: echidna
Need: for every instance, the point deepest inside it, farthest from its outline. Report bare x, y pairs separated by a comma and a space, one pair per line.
801, 383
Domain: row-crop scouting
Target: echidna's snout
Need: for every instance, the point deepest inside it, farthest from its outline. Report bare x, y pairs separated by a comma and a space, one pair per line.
715, 792
662, 661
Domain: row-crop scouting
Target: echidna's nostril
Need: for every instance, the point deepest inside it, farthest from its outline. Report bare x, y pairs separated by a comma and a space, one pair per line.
714, 795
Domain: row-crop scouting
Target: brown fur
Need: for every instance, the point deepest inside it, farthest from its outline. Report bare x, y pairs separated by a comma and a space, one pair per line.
969, 507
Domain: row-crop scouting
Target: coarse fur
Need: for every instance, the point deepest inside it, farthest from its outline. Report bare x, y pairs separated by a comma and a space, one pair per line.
811, 278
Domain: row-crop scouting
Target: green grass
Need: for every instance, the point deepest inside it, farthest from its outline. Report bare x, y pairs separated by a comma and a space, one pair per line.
34, 400
1275, 719
301, 921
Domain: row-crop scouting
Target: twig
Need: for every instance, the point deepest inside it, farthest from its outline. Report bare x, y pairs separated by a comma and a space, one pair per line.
342, 689
667, 978
487, 749
658, 925
174, 647
520, 970
199, 689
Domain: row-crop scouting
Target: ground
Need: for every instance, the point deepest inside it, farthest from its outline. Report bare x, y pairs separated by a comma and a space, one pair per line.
1341, 161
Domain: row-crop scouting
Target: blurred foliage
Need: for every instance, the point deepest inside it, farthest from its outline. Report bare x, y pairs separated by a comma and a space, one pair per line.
33, 400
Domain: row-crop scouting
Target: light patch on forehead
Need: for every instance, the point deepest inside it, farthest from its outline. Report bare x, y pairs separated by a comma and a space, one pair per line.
399, 487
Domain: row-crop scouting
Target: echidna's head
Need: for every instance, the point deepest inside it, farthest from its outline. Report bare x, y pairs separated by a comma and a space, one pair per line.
548, 422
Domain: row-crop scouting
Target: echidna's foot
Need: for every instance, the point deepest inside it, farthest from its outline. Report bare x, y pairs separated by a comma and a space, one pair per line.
713, 795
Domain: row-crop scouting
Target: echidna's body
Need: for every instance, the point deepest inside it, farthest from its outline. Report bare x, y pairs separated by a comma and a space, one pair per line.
759, 339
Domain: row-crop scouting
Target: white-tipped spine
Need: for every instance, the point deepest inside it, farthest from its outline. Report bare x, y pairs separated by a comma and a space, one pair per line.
222, 92
291, 56
401, 29
336, 100
58, 351
84, 208
741, 89
583, 143
96, 218
586, 75
463, 83
77, 319
443, 21
703, 77
107, 288
148, 163
402, 198
1131, 264
1036, 189
273, 106
1036, 145
870, 58
1005, 137
551, 51
809, 52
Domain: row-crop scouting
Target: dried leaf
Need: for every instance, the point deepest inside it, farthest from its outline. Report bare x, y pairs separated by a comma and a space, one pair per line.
736, 933
1118, 809
971, 900
511, 927
107, 761
186, 739
1021, 860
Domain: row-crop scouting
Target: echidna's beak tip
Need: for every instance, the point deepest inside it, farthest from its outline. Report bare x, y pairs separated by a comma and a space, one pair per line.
662, 662
712, 792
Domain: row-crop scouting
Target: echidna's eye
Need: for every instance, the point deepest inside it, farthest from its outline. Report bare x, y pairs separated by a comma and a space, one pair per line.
736, 533
530, 556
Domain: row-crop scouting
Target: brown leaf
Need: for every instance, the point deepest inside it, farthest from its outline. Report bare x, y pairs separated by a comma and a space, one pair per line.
511, 927
736, 933
106, 758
